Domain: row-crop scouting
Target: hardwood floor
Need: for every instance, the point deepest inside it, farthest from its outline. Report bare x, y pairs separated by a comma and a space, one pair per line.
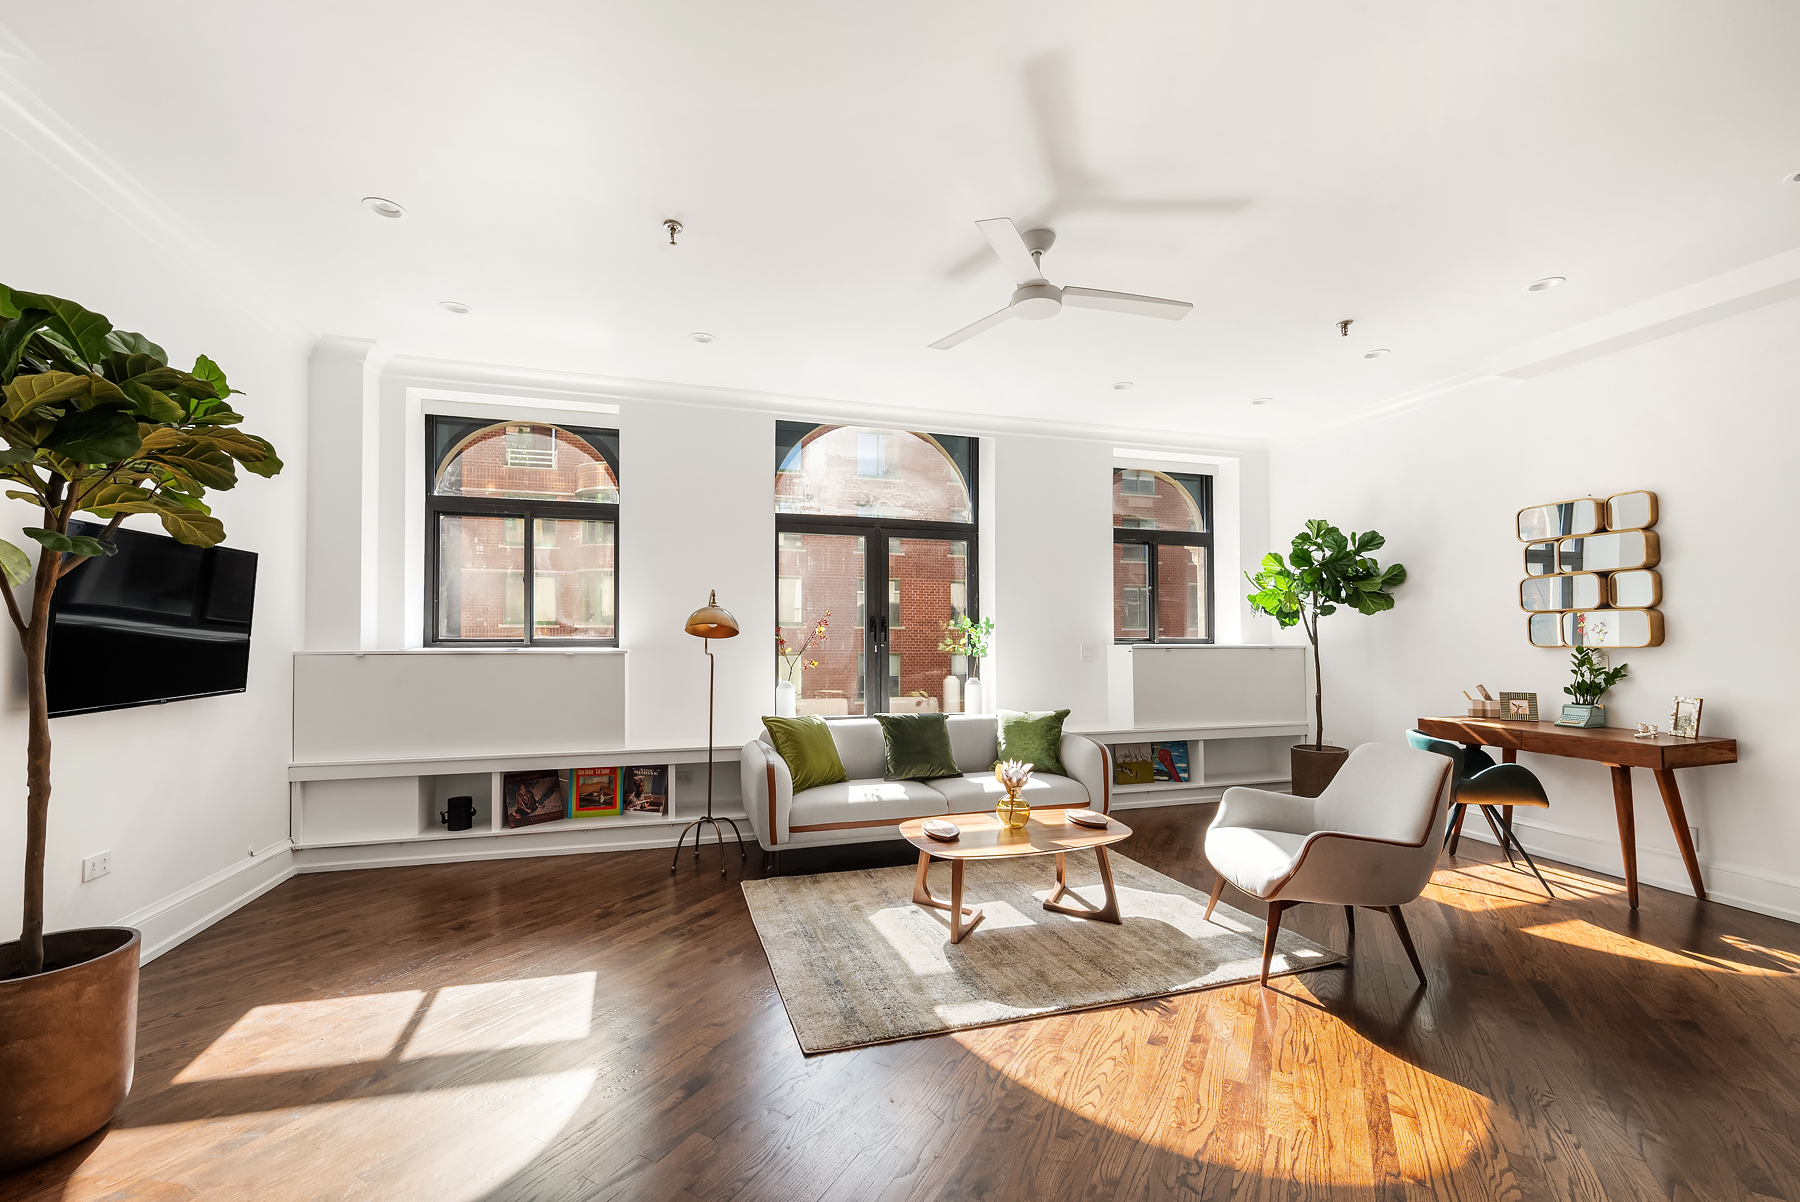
589, 1027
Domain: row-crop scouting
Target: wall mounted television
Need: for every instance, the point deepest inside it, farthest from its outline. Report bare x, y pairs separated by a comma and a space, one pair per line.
159, 621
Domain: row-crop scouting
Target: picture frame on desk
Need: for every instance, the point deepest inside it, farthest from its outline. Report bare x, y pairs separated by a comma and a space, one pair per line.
1519, 707
1685, 717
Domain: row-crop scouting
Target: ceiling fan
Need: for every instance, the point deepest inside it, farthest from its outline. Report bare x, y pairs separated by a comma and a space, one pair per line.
1037, 298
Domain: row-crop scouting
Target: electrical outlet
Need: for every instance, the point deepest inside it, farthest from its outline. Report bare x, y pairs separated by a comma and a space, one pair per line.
1090, 653
95, 867
684, 777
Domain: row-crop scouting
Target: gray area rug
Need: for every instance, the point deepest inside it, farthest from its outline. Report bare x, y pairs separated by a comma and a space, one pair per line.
858, 963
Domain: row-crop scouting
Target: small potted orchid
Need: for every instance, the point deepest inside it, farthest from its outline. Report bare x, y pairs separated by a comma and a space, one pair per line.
793, 659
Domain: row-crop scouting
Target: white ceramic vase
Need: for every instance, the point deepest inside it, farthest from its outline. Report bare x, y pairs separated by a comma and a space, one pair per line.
973, 701
952, 695
784, 699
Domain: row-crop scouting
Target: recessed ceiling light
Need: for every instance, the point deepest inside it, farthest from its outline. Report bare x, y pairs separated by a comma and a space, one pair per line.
701, 336
382, 208
454, 306
1261, 400
1791, 179
1380, 352
1122, 385
1545, 284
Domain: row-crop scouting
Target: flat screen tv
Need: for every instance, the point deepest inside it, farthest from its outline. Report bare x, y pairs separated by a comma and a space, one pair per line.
159, 621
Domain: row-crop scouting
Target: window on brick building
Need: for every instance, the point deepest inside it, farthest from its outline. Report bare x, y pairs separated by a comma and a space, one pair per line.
872, 525
1162, 557
501, 495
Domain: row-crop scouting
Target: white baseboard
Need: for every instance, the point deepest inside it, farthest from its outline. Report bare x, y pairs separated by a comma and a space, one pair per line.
1739, 885
187, 912
497, 847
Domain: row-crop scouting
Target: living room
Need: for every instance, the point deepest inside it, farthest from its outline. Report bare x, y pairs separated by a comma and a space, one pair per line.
897, 410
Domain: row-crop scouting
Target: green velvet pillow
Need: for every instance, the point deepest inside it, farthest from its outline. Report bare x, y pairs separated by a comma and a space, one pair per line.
805, 743
918, 746
1035, 738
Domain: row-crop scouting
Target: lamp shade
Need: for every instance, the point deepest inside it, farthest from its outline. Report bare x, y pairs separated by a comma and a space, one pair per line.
712, 622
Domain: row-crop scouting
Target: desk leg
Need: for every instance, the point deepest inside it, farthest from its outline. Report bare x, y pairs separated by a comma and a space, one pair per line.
1508, 755
1621, 780
1671, 795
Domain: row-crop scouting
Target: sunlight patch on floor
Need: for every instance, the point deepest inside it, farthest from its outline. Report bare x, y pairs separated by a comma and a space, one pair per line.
493, 1015
292, 1036
1577, 932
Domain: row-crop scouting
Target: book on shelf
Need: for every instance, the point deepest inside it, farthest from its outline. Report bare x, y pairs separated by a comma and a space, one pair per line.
647, 790
1133, 764
594, 793
1171, 761
532, 797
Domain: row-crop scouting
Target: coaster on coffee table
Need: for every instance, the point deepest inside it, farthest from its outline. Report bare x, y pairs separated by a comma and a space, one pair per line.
937, 828
1088, 818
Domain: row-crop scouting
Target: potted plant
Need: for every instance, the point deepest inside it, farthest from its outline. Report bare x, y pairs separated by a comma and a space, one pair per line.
971, 640
1592, 679
96, 423
1325, 569
791, 661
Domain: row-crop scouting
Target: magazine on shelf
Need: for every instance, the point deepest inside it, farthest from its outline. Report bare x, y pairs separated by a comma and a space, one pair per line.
1133, 764
1171, 760
533, 797
594, 793
647, 791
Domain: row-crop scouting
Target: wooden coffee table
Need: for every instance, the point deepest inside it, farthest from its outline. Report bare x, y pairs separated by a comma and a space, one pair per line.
1048, 833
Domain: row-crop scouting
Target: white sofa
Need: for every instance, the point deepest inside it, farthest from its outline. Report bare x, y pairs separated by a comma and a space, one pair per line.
868, 806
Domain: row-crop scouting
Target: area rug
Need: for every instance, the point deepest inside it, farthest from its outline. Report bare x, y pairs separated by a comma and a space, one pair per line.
858, 963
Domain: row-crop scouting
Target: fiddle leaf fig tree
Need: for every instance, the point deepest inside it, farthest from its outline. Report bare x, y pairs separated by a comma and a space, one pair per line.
97, 423
1326, 569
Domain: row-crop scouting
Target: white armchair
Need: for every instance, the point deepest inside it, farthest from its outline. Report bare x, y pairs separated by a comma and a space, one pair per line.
1371, 839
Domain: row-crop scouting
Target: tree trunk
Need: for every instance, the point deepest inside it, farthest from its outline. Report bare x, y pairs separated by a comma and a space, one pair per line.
1312, 634
34, 640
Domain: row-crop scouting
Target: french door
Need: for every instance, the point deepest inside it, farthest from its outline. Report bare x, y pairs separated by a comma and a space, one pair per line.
890, 589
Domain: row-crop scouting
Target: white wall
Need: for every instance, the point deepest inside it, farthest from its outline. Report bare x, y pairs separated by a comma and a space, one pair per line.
178, 793
1706, 419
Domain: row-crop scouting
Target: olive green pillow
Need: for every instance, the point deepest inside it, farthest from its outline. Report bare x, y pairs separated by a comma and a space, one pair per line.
806, 745
1035, 738
918, 746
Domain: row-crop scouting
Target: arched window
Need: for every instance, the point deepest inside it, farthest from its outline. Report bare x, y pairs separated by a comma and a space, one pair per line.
1162, 557
875, 528
501, 495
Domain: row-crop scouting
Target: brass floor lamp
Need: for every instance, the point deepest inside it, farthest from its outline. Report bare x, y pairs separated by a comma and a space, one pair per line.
708, 623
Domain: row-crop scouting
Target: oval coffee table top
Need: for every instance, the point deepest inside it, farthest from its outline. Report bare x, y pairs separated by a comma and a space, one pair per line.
983, 837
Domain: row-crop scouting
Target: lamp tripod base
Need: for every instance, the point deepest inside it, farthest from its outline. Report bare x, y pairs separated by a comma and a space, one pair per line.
719, 834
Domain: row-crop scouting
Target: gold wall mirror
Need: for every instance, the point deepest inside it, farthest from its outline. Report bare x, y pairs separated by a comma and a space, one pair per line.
1561, 519
1585, 590
1545, 630
1631, 511
1609, 552
1641, 589
1540, 559
1613, 628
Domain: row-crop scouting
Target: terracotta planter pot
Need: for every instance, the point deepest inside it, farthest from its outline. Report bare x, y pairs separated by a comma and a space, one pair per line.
1313, 767
68, 1037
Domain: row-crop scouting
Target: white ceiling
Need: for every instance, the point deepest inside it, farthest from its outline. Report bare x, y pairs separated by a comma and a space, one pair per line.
1410, 165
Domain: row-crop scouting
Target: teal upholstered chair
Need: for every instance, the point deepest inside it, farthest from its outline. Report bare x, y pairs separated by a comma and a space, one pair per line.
1482, 783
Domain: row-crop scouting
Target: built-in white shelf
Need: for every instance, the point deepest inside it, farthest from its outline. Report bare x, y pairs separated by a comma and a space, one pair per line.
1219, 755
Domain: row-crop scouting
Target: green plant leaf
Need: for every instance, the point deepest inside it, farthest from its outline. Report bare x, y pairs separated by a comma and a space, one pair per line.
94, 436
200, 461
80, 330
187, 526
212, 373
136, 344
15, 336
109, 499
15, 564
16, 455
70, 544
152, 405
29, 393
8, 306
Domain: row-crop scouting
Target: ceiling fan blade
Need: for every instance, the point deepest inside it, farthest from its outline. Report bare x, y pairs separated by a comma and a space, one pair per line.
1126, 302
1003, 236
969, 331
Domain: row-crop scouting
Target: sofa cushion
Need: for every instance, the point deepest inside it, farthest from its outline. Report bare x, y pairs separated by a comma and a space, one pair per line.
918, 746
851, 802
861, 747
972, 739
1033, 737
980, 791
807, 746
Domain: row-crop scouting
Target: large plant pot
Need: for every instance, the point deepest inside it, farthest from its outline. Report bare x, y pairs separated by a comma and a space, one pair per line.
68, 1037
1314, 766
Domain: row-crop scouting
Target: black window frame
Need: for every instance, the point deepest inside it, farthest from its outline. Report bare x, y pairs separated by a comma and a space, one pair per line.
437, 450
876, 532
1153, 539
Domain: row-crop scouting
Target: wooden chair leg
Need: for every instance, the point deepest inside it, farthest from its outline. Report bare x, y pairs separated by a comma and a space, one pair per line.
1405, 942
1218, 888
1455, 835
1350, 918
1274, 929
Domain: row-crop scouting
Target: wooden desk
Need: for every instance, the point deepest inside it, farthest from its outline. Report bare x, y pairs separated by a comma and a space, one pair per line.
1619, 750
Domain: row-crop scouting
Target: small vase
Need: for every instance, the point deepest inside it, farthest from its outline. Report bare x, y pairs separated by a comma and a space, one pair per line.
1013, 812
952, 695
784, 699
972, 698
